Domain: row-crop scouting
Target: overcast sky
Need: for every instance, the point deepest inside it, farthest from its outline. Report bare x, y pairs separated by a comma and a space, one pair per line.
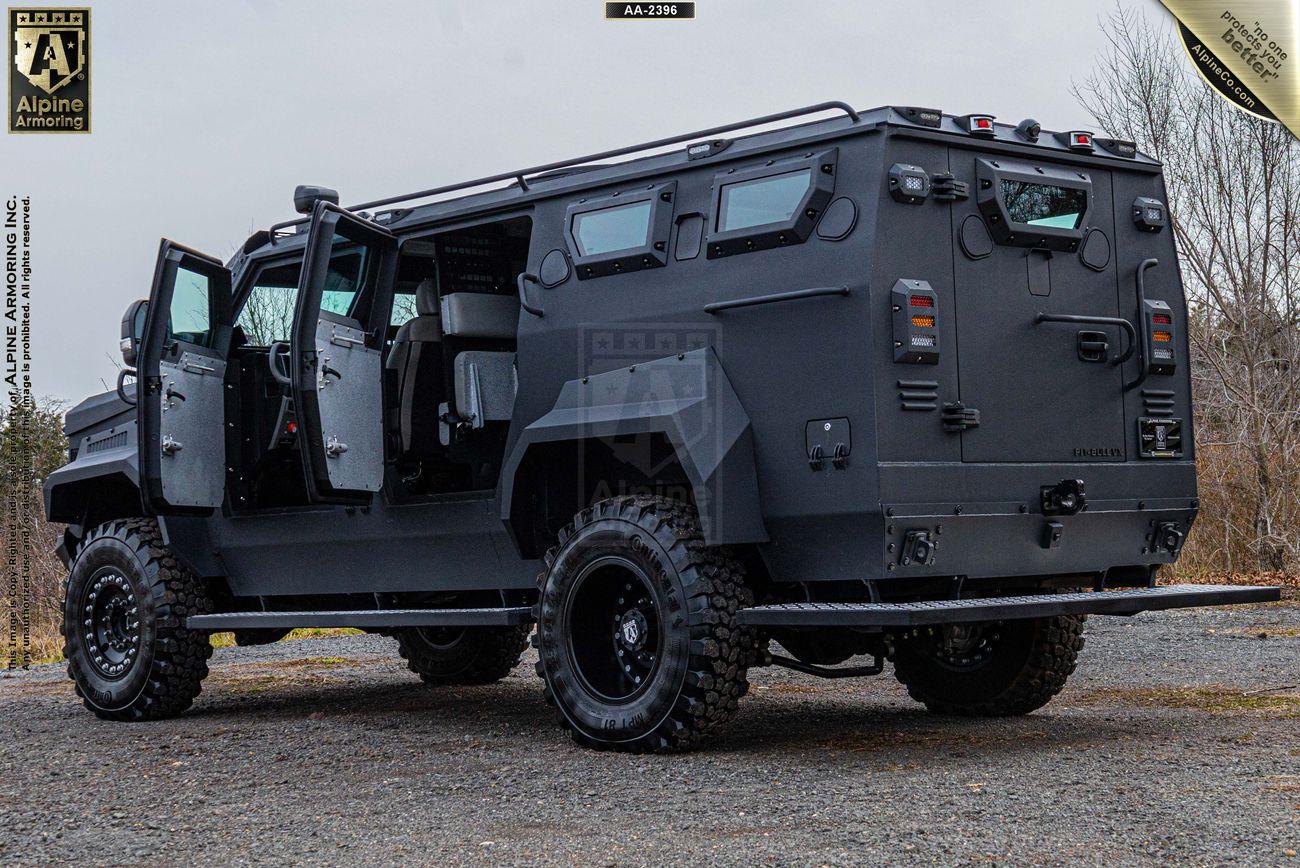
207, 114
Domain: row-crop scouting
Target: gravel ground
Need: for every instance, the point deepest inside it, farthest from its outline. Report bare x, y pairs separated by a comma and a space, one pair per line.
327, 750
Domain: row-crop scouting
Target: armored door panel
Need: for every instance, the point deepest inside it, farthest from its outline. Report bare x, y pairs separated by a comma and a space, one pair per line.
350, 405
192, 447
181, 378
340, 324
1046, 390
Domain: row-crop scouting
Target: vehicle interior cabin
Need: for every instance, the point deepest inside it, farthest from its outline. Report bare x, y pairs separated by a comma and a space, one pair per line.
448, 363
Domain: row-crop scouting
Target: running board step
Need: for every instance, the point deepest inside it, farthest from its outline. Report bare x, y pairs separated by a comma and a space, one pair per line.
365, 618
1125, 602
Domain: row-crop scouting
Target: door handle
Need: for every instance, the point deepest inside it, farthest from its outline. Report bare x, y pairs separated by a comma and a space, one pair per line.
1093, 346
1097, 320
334, 448
195, 367
171, 446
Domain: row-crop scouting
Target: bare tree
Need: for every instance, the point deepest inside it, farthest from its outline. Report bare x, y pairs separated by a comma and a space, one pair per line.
1234, 201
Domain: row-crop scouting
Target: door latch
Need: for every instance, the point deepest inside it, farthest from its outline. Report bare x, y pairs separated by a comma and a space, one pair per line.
1093, 346
334, 448
170, 446
958, 417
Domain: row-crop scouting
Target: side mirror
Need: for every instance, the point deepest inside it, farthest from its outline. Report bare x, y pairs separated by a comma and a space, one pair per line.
305, 197
133, 331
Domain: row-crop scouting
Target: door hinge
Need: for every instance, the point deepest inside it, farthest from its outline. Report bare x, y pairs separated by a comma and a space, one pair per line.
958, 417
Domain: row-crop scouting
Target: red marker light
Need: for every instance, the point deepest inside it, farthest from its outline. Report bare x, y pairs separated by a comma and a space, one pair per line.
291, 428
1084, 139
984, 123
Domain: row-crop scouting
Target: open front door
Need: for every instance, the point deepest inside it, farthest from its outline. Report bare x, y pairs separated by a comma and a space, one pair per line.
180, 406
344, 296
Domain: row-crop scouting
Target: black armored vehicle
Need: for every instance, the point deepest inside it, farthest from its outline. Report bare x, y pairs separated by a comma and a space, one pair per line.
891, 384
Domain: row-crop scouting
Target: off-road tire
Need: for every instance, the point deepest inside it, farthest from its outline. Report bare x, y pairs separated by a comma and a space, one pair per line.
1027, 667
166, 671
477, 655
703, 654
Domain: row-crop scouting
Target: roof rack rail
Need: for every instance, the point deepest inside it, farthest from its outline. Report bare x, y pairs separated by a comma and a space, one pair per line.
521, 175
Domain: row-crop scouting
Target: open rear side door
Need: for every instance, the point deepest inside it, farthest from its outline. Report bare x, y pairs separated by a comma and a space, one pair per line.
337, 358
180, 408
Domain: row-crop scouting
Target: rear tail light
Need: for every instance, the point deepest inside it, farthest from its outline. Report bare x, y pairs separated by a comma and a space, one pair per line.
922, 301
1161, 319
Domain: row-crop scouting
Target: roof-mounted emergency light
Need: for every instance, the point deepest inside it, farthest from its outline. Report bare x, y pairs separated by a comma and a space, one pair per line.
1077, 140
978, 125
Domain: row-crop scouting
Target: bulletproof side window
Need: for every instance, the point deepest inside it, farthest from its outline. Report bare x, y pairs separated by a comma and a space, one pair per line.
1027, 205
625, 231
772, 205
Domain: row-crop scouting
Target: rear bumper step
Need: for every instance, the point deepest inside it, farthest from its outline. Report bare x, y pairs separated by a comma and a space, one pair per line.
1125, 602
501, 617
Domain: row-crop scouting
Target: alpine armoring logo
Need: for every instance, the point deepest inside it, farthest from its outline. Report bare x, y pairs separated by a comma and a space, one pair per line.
49, 73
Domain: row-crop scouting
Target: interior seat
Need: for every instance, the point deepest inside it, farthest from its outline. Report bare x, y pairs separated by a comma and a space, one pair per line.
416, 359
484, 382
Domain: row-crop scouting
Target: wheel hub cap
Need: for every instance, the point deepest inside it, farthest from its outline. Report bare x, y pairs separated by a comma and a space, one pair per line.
632, 630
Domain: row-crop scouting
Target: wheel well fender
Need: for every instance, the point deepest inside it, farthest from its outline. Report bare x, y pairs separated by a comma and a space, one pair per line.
674, 423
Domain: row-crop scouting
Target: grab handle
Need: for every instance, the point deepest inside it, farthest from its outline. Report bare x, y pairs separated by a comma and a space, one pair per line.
751, 301
121, 391
525, 278
1098, 320
273, 363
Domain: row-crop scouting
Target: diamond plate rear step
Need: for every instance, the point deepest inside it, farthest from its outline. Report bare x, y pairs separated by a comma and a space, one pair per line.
1125, 602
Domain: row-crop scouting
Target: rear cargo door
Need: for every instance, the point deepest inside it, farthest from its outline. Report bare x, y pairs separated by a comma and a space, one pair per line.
1037, 307
180, 408
341, 319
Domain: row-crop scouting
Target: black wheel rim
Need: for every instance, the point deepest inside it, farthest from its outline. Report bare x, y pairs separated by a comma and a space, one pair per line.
110, 623
615, 633
441, 638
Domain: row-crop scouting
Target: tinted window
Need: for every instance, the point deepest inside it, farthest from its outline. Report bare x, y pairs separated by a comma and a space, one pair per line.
190, 317
267, 315
1044, 204
623, 227
346, 271
773, 199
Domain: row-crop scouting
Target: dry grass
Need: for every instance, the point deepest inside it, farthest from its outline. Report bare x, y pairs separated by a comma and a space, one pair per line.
1285, 702
227, 640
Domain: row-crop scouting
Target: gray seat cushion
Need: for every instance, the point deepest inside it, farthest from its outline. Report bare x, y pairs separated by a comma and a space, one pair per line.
479, 315
485, 386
